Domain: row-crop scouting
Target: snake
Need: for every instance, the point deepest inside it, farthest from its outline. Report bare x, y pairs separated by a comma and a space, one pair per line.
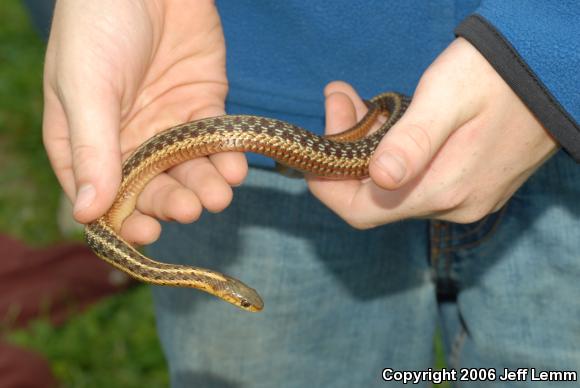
345, 155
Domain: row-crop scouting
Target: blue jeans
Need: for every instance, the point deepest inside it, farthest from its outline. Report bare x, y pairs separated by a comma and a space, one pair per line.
341, 305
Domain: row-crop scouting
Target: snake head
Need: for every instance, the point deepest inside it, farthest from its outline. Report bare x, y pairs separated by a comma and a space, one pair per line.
238, 294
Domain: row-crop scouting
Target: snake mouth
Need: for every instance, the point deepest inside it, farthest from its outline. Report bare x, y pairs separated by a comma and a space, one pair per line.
255, 306
242, 296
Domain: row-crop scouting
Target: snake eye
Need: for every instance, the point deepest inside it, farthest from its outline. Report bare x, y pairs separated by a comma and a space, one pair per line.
244, 303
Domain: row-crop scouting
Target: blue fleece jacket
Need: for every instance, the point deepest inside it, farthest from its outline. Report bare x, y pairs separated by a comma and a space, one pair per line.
281, 54
535, 46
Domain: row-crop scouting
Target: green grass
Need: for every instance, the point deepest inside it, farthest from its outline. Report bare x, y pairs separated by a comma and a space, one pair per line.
114, 344
440, 358
29, 195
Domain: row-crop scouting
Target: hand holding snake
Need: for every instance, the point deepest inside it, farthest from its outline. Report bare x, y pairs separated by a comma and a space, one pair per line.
104, 96
464, 126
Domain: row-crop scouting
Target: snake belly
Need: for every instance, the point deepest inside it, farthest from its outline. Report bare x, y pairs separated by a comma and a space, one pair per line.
344, 155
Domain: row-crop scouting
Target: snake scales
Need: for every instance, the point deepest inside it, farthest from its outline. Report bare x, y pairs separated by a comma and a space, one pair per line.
344, 155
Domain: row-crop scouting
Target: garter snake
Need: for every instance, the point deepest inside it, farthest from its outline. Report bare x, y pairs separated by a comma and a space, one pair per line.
344, 155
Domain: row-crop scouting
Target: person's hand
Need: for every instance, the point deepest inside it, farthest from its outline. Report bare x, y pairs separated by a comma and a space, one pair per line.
464, 146
116, 73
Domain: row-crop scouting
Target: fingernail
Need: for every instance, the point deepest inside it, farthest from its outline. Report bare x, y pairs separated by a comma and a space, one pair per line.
392, 165
85, 197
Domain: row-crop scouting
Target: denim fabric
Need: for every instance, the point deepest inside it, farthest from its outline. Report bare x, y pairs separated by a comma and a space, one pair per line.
509, 285
341, 304
333, 296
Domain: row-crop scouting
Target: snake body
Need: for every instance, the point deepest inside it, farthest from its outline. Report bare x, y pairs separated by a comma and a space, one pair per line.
345, 155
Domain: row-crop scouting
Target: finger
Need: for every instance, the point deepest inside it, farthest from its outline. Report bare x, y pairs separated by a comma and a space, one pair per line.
140, 229
77, 82
96, 156
336, 195
411, 144
93, 120
203, 179
232, 166
167, 196
56, 139
166, 199
362, 204
347, 90
341, 113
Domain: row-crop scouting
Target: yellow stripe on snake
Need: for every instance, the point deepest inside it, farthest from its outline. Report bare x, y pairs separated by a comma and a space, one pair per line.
344, 155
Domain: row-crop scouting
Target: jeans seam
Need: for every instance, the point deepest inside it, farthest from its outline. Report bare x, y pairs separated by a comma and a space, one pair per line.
435, 248
482, 239
448, 255
471, 231
457, 347
476, 228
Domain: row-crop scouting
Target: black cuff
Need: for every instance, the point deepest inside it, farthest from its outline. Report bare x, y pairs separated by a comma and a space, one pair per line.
518, 75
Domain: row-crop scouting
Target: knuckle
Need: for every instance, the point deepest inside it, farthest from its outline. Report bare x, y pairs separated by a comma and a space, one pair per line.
185, 208
429, 75
470, 210
466, 216
156, 200
84, 154
418, 137
218, 201
448, 200
432, 79
46, 139
188, 214
357, 223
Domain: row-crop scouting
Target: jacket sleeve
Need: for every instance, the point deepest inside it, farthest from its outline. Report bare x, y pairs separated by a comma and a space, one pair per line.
535, 46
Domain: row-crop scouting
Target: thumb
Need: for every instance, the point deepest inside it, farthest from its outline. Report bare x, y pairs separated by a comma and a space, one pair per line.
343, 107
96, 157
410, 145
